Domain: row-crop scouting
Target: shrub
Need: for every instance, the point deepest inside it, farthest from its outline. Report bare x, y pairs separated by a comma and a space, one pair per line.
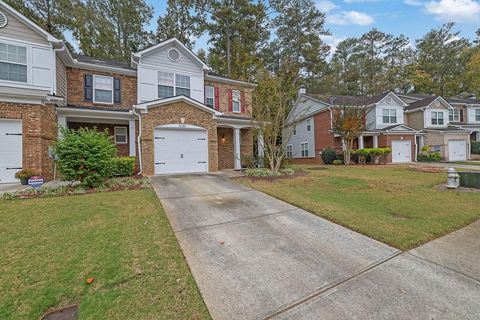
25, 174
262, 172
122, 166
250, 161
337, 162
288, 171
85, 155
329, 155
475, 147
429, 157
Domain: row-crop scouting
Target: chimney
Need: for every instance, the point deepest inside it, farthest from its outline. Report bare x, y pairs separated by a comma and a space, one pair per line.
302, 90
473, 97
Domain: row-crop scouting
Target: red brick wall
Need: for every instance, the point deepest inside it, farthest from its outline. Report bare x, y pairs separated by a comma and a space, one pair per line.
39, 131
223, 91
123, 150
76, 95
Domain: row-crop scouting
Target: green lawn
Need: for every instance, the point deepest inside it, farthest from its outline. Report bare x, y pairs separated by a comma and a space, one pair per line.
471, 163
388, 203
50, 246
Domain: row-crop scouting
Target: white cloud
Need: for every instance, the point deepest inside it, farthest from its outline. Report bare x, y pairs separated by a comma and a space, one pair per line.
454, 10
333, 42
350, 17
326, 6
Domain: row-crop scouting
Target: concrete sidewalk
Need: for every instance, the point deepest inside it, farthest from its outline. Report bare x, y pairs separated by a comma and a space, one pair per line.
256, 257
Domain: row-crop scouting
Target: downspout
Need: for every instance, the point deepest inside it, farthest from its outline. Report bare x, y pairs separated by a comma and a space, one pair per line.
139, 140
54, 66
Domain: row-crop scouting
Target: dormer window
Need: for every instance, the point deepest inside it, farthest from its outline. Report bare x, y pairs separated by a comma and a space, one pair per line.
13, 63
390, 116
437, 118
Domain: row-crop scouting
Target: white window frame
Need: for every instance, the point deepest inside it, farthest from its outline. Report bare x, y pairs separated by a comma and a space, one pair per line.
294, 129
477, 115
236, 97
16, 63
207, 88
115, 134
304, 149
454, 115
94, 88
289, 151
165, 84
181, 87
389, 113
309, 125
437, 118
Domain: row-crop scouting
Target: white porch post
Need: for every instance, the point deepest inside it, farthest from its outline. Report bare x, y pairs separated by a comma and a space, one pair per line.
61, 122
131, 137
421, 142
375, 141
236, 148
361, 144
260, 142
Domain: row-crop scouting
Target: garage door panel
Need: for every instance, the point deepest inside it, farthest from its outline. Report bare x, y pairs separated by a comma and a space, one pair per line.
180, 151
457, 150
401, 151
10, 149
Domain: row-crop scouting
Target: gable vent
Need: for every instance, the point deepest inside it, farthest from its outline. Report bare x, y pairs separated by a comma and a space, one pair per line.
3, 20
174, 54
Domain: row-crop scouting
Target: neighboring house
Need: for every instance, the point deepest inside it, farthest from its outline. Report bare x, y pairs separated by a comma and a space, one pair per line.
384, 127
165, 107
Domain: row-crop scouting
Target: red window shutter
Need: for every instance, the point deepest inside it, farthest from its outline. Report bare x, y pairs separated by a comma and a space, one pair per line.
230, 100
242, 102
217, 98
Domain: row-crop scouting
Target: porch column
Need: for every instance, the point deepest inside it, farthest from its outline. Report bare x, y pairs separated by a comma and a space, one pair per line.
375, 141
260, 147
236, 149
131, 137
421, 142
478, 136
361, 144
61, 122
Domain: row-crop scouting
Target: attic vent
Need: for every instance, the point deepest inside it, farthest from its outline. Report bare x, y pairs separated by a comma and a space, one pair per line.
3, 20
173, 54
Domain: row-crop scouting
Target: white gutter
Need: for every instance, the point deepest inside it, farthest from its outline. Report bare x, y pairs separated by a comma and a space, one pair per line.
139, 140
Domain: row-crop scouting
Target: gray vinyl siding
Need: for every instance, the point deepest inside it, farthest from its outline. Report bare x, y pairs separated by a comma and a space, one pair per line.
303, 136
18, 30
303, 107
159, 58
61, 78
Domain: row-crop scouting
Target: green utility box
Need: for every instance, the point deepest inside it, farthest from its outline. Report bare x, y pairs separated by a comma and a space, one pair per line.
470, 179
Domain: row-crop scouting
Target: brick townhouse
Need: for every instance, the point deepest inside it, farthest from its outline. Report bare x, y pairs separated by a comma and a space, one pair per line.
165, 107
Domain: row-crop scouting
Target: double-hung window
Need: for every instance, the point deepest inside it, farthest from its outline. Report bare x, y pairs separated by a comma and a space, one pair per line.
13, 63
437, 118
210, 96
103, 89
304, 148
289, 153
309, 125
390, 116
454, 115
294, 130
236, 101
165, 85
182, 85
477, 115
120, 135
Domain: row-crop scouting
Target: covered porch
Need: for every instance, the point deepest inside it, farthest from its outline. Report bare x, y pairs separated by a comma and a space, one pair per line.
120, 124
235, 142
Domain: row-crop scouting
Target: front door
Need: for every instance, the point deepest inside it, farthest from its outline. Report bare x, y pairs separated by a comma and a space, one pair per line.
401, 151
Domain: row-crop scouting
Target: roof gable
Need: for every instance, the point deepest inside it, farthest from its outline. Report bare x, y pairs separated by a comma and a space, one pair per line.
305, 106
166, 101
399, 128
388, 99
178, 45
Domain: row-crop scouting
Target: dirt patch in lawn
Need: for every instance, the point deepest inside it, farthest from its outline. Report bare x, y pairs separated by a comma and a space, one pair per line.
443, 187
67, 313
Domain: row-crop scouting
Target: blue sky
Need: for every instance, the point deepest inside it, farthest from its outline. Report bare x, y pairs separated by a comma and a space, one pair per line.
413, 18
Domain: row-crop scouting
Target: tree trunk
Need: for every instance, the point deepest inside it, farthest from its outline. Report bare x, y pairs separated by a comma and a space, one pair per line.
228, 53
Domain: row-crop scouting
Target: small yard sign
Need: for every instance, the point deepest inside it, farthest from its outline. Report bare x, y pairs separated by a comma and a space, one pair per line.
35, 182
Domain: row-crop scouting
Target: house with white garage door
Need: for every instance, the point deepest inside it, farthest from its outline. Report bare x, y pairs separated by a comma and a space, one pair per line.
165, 107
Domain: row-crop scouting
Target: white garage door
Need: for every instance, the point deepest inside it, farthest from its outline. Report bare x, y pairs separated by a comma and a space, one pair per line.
10, 149
457, 150
181, 150
401, 151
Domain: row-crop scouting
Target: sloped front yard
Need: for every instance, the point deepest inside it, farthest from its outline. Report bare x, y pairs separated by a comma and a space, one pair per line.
49, 247
390, 203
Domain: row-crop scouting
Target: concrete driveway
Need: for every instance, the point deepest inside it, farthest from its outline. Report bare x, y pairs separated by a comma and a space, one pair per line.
255, 257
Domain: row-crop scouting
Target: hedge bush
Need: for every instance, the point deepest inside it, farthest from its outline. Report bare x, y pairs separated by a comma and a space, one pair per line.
329, 155
475, 147
337, 162
122, 166
262, 172
429, 157
85, 155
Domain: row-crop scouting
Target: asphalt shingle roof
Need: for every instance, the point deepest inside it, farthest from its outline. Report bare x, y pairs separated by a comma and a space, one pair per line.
102, 62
